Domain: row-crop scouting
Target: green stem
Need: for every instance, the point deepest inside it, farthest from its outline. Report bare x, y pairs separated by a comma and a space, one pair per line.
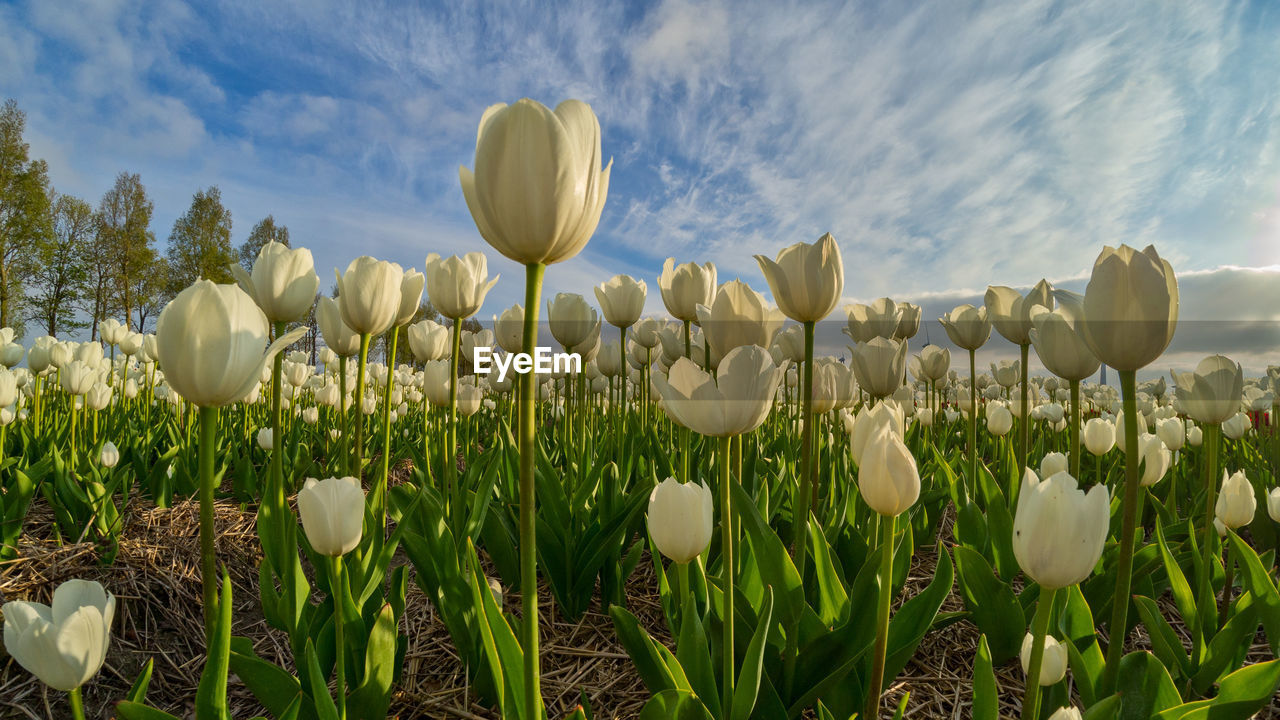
275, 480
1225, 604
622, 379
1212, 443
888, 525
1039, 626
451, 460
1075, 429
1129, 509
726, 572
208, 561
343, 410
358, 454
528, 501
1024, 419
973, 424
77, 704
336, 579
379, 496
800, 519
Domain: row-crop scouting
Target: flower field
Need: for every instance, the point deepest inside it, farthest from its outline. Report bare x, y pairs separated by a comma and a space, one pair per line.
719, 514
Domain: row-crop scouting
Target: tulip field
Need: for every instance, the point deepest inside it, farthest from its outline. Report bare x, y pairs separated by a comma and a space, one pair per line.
579, 511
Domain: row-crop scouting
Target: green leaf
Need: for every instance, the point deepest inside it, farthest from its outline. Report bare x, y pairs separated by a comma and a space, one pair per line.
1183, 597
1260, 586
675, 705
986, 699
129, 710
991, 603
1144, 687
1105, 709
323, 702
772, 558
1164, 641
910, 623
744, 693
694, 654
1240, 695
1086, 658
1226, 648
211, 695
138, 693
274, 687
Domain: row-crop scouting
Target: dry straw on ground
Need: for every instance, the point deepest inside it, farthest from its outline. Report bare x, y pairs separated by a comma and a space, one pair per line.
155, 579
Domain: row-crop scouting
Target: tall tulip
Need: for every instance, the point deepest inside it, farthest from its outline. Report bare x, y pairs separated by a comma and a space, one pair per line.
680, 519
1056, 337
686, 286
210, 341
283, 282
880, 365
535, 195
1011, 313
1054, 515
737, 316
969, 328
1130, 313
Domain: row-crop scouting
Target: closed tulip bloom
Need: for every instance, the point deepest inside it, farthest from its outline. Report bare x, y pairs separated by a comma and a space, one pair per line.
1236, 426
887, 477
878, 319
967, 326
1066, 713
935, 361
38, 357
8, 388
1212, 393
340, 338
470, 341
806, 280
410, 296
64, 644
1010, 311
111, 330
733, 402
131, 343
436, 376
1130, 307
61, 354
150, 347
924, 416
1006, 373
908, 321
879, 365
999, 420
885, 413
11, 354
469, 397
429, 340
571, 318
211, 340
110, 455
1059, 530
283, 282
1099, 436
1052, 464
369, 295
1236, 502
686, 286
537, 189
621, 300
508, 329
98, 397
1154, 459
457, 286
589, 347
738, 316
1053, 664
1273, 504
332, 512
78, 377
1058, 343
1171, 432
829, 375
680, 519
266, 438
1195, 436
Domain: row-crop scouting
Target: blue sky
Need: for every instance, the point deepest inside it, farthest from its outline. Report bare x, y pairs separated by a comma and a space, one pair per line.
947, 145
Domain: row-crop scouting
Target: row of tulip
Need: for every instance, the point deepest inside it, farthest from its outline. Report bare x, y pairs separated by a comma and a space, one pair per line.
771, 615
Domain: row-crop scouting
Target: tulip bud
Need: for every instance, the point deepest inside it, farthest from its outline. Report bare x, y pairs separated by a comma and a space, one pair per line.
621, 300
999, 420
332, 512
110, 455
879, 365
686, 286
1056, 337
1212, 393
1195, 436
967, 326
283, 283
8, 388
1273, 504
211, 340
571, 319
1011, 311
1236, 426
98, 397
887, 477
311, 415
878, 319
1066, 713
63, 644
78, 377
884, 413
265, 438
806, 280
1236, 502
1153, 459
1052, 464
1059, 530
680, 519
537, 189
1099, 436
1130, 307
1053, 664
368, 296
410, 296
1171, 432
738, 316
457, 286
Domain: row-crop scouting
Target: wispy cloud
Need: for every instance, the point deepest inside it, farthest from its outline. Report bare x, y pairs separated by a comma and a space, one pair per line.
947, 146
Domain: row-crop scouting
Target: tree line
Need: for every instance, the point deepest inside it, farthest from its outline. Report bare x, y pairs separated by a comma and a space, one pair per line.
66, 265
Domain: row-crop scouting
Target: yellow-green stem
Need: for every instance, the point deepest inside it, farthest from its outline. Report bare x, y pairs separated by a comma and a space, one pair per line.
208, 561
77, 704
1129, 510
888, 525
1039, 626
358, 453
528, 501
726, 579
